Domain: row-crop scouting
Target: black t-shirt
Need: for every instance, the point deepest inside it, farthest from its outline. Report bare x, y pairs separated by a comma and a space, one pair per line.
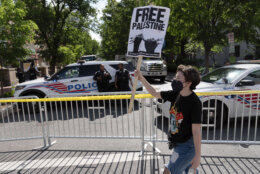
186, 111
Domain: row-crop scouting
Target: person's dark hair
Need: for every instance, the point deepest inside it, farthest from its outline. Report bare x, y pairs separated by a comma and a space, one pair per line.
191, 74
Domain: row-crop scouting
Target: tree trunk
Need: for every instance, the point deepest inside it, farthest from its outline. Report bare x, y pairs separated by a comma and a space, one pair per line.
2, 79
53, 64
207, 52
183, 53
54, 58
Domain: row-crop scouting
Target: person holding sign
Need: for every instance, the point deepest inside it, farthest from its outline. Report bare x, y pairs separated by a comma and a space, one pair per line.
185, 117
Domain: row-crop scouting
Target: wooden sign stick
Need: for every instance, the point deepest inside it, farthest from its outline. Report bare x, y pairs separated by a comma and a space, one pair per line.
140, 59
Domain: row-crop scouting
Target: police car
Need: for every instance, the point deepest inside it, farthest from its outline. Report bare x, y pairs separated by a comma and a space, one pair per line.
73, 79
238, 77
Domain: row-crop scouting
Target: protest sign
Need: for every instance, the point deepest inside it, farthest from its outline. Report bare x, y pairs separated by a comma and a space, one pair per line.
147, 31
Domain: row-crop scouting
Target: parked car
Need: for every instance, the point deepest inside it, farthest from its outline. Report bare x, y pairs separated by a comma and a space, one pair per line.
238, 77
75, 78
150, 67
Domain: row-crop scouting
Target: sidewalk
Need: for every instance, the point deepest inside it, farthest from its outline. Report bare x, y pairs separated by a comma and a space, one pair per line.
67, 156
75, 161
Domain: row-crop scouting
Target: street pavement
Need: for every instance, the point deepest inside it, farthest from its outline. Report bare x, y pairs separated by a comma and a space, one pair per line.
117, 156
107, 154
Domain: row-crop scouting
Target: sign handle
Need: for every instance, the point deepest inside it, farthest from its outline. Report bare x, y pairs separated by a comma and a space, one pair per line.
140, 59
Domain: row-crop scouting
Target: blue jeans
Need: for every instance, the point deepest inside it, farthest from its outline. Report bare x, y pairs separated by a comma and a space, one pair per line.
181, 157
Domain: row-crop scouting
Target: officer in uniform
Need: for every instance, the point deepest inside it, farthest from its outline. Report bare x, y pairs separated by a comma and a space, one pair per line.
122, 79
102, 77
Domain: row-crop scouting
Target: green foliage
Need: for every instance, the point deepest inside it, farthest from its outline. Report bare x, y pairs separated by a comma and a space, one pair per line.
77, 43
62, 24
232, 59
208, 22
192, 47
9, 94
15, 31
115, 26
193, 24
67, 53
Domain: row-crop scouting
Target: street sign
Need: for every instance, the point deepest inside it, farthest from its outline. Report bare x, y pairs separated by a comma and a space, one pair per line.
147, 31
230, 37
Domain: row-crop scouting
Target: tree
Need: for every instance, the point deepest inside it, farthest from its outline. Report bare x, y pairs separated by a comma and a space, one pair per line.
15, 32
208, 22
51, 17
115, 27
77, 42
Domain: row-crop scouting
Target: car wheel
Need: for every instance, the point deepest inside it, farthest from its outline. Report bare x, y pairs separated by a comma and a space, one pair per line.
210, 114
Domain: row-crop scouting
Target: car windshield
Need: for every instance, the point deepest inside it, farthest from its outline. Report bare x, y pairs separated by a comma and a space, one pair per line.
151, 58
223, 75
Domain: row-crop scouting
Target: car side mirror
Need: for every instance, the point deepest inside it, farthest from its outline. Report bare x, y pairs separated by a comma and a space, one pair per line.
246, 83
46, 77
54, 78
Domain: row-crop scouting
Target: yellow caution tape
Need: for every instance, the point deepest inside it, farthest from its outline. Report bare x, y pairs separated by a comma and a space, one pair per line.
108, 97
227, 93
117, 97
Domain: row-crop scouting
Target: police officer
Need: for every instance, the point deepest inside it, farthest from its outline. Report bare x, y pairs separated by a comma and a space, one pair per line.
102, 77
33, 71
20, 75
122, 79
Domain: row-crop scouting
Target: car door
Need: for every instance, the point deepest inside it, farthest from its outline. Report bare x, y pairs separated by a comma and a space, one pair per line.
248, 103
65, 81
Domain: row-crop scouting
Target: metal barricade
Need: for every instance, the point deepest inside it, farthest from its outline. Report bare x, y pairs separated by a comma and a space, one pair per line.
228, 117
21, 119
231, 117
94, 118
102, 115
